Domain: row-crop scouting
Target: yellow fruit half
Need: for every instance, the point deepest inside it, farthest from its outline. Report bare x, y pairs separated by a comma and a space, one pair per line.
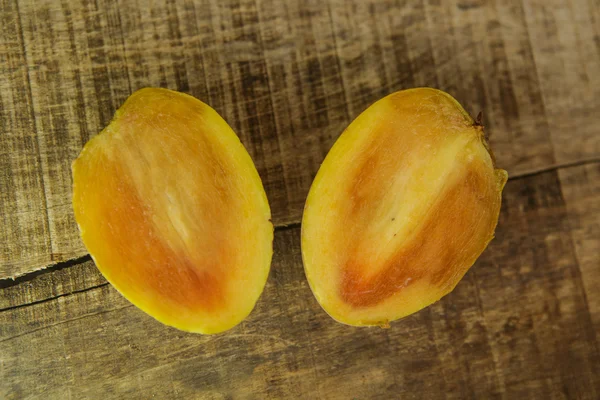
172, 210
404, 203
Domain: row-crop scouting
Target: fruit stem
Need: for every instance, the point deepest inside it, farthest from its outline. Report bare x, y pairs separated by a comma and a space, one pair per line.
478, 120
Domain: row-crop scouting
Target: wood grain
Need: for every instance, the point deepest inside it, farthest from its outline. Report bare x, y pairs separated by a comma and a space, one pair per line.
60, 280
25, 241
581, 191
288, 76
566, 49
518, 326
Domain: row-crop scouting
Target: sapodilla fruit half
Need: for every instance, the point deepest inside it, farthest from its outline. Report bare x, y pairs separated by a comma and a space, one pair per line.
173, 212
404, 203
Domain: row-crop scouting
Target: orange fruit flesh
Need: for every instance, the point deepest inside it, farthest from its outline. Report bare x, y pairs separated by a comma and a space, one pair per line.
173, 212
401, 208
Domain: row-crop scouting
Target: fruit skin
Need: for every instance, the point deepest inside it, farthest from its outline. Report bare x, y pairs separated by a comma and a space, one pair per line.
402, 206
172, 210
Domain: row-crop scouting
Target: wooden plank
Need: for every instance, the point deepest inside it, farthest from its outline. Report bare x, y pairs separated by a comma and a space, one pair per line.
60, 280
505, 82
517, 326
581, 190
72, 74
306, 91
564, 37
288, 76
461, 48
24, 233
532, 296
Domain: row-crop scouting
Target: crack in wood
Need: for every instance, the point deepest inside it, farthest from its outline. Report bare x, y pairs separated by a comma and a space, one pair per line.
555, 167
9, 282
64, 322
33, 303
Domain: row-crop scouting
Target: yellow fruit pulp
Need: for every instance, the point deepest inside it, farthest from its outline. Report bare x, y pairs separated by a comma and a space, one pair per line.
402, 206
173, 212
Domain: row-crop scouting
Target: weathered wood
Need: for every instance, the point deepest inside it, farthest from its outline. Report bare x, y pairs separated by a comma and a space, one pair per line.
518, 326
288, 76
25, 241
581, 190
564, 42
59, 280
533, 298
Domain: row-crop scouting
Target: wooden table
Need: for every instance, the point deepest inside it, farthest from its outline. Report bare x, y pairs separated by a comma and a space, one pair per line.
289, 76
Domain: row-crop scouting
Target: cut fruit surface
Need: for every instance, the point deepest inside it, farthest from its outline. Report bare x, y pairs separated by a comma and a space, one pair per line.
173, 212
402, 206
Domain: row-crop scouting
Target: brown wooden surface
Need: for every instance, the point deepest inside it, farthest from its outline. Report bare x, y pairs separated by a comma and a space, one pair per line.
289, 76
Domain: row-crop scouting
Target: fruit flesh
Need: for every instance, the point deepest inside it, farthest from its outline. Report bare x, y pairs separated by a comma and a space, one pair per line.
401, 208
173, 212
